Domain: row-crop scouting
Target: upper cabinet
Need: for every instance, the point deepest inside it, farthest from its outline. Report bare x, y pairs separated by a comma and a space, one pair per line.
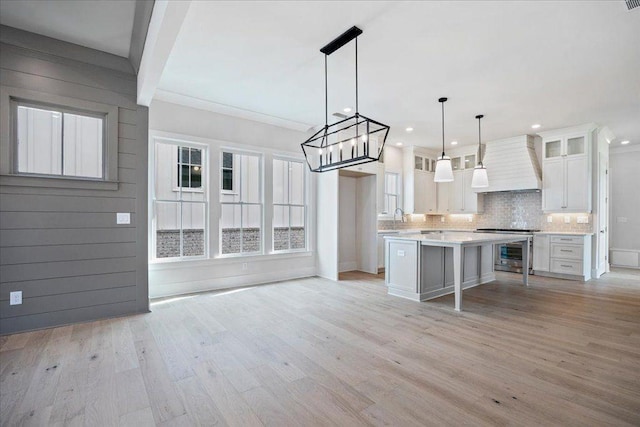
419, 188
462, 198
566, 170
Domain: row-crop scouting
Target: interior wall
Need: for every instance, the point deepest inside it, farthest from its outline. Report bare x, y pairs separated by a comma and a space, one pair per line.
61, 246
347, 239
217, 130
624, 168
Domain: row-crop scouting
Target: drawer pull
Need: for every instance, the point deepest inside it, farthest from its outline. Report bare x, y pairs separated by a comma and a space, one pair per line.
566, 240
566, 250
566, 266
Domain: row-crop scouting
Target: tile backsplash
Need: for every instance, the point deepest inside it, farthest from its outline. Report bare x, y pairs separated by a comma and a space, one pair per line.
501, 210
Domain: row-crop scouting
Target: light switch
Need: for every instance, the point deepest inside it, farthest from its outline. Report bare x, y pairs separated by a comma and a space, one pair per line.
15, 298
123, 218
567, 219
583, 219
549, 218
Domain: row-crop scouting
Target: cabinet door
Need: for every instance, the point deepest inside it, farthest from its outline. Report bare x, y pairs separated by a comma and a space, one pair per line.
541, 252
431, 200
420, 192
444, 188
456, 199
553, 149
470, 196
553, 185
578, 185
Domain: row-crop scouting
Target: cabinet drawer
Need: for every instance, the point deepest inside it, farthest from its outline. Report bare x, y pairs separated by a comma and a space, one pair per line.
566, 251
566, 267
575, 240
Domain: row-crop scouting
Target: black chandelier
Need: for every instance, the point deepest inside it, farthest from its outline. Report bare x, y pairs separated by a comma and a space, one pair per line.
351, 141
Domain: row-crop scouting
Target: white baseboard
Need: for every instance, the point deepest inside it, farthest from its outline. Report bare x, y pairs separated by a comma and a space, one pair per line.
347, 266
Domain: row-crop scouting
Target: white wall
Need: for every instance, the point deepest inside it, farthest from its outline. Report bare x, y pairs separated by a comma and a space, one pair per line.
347, 239
624, 167
216, 131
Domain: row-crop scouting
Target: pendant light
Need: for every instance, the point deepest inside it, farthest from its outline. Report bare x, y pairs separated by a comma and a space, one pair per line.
444, 172
480, 178
352, 141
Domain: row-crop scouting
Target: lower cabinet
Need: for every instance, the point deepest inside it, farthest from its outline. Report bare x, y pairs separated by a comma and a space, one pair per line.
565, 256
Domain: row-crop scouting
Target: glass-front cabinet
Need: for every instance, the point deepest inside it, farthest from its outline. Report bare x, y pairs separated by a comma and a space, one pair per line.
565, 171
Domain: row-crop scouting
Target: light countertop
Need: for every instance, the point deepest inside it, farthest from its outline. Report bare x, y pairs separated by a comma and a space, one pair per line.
565, 233
420, 230
459, 237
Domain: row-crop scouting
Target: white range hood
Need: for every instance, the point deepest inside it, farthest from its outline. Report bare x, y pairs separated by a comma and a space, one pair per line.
512, 165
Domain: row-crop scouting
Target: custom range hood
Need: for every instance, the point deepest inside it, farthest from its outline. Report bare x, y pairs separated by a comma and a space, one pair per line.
512, 165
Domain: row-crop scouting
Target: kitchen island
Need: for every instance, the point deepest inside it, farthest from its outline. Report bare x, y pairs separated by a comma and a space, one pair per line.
426, 266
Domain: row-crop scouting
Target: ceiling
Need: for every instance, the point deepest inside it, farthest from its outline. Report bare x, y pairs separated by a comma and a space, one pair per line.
104, 25
557, 63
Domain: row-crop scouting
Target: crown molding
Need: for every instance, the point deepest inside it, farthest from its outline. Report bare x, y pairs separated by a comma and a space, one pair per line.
214, 107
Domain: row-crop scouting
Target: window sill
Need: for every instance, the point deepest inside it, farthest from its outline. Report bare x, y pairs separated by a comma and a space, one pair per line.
188, 190
164, 264
19, 180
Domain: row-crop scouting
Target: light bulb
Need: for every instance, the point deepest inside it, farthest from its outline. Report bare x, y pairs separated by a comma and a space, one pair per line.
320, 151
364, 137
331, 148
340, 146
353, 142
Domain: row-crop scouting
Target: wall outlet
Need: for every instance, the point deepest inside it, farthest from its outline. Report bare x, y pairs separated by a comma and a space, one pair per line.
245, 266
123, 218
470, 218
442, 218
15, 298
567, 219
583, 219
549, 218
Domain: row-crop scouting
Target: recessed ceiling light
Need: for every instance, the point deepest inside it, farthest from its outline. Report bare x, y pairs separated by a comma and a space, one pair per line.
409, 129
347, 109
536, 126
625, 142
399, 144
454, 142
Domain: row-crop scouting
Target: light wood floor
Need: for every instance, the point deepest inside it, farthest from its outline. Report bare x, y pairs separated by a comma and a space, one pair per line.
315, 352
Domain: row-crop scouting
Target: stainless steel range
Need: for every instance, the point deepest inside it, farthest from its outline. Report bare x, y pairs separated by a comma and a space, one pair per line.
508, 256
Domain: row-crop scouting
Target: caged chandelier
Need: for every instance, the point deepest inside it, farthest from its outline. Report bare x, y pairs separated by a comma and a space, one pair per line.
351, 141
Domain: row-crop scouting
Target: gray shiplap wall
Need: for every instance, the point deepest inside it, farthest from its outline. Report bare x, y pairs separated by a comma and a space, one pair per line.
61, 246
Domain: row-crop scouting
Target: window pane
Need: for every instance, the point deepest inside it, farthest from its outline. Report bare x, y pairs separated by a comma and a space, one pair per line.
196, 156
296, 184
297, 218
227, 180
393, 205
39, 136
575, 146
418, 162
455, 163
251, 228
230, 229
470, 161
184, 157
391, 184
82, 146
552, 149
193, 235
227, 160
196, 176
167, 225
184, 175
280, 228
280, 181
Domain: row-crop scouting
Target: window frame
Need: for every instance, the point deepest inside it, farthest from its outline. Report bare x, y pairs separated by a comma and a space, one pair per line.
153, 199
237, 183
179, 187
385, 195
305, 206
11, 97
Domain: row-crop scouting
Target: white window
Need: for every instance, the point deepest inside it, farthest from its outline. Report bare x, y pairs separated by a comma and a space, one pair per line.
189, 167
227, 172
58, 141
289, 205
179, 220
391, 192
241, 230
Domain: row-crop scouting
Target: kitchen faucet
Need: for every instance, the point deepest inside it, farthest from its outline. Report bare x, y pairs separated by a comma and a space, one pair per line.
401, 216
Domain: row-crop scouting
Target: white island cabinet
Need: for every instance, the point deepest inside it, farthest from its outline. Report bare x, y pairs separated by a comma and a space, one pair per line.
425, 266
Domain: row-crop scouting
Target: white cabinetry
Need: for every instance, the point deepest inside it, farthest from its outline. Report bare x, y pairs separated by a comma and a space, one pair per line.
462, 198
566, 256
566, 170
419, 187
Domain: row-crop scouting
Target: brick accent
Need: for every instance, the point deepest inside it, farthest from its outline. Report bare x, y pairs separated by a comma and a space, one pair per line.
168, 243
